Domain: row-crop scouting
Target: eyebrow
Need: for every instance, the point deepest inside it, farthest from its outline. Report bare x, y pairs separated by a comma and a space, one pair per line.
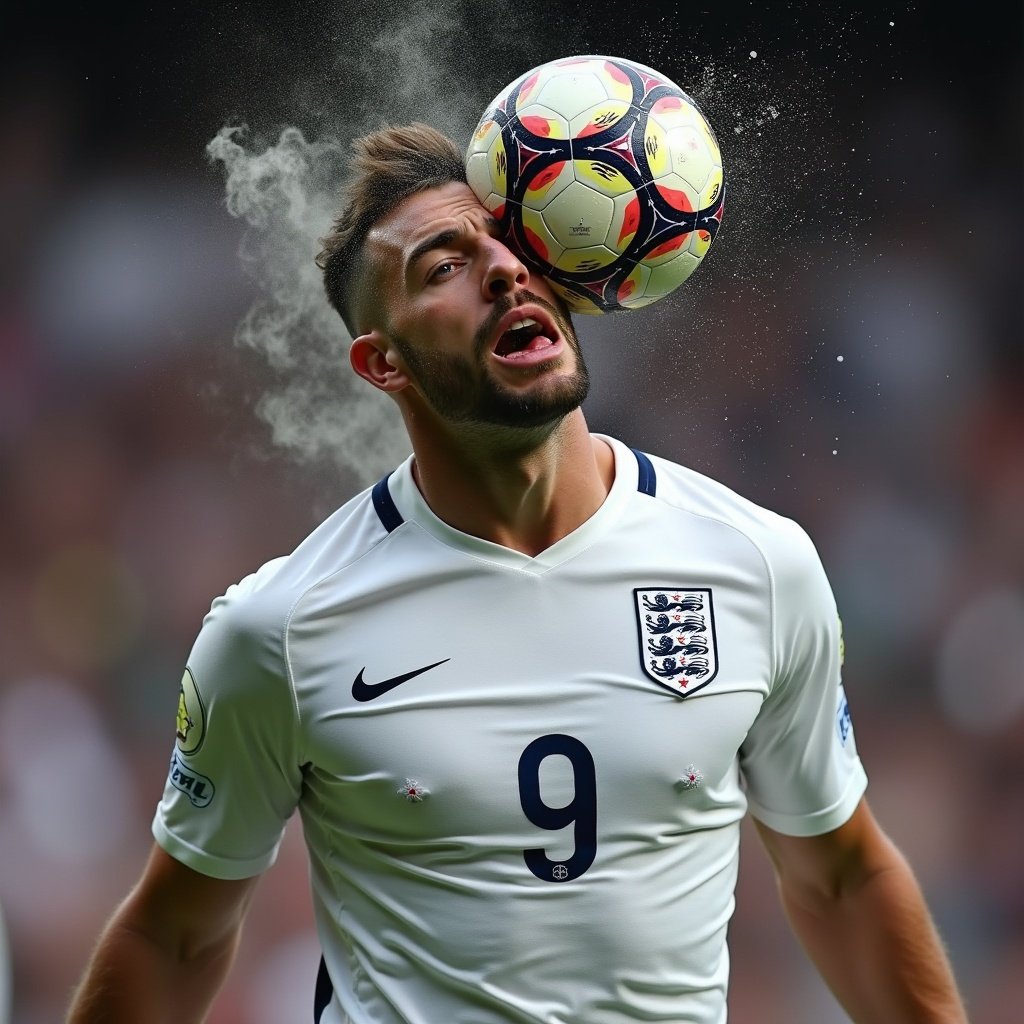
438, 241
445, 238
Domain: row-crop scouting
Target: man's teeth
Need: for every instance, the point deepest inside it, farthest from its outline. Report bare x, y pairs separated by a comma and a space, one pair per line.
519, 324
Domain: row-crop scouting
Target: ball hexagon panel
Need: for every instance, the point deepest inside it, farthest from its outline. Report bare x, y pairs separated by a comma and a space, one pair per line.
602, 176
583, 261
547, 182
689, 155
672, 111
576, 302
616, 81
634, 286
666, 247
600, 118
497, 165
656, 149
478, 174
484, 135
676, 193
626, 217
579, 216
543, 123
543, 244
699, 242
571, 94
668, 276
494, 204
712, 188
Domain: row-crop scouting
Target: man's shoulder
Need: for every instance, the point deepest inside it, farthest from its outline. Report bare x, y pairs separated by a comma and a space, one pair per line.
779, 538
701, 494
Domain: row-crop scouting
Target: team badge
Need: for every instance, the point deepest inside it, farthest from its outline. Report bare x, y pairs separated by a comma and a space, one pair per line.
676, 630
191, 722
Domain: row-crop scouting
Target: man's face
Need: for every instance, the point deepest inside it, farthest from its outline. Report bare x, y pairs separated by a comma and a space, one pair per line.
483, 341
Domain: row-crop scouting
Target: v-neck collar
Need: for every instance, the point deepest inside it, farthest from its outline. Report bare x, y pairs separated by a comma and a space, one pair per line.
397, 499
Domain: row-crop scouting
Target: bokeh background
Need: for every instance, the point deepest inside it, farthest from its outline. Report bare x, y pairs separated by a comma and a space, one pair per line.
175, 406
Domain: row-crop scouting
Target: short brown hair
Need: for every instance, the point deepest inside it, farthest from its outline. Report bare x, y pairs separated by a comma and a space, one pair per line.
388, 166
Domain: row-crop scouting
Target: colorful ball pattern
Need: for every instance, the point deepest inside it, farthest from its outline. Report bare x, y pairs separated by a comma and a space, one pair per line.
605, 176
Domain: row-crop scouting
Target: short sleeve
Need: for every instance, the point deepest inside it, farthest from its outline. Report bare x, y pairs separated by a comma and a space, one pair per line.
235, 774
799, 761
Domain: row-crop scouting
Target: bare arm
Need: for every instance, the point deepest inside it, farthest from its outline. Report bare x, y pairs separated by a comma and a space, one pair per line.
857, 909
166, 950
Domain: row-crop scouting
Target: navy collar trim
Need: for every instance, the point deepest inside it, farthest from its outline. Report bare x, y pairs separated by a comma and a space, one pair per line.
391, 518
387, 510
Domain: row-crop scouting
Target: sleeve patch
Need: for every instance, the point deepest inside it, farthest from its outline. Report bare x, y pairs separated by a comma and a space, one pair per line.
198, 788
191, 721
844, 722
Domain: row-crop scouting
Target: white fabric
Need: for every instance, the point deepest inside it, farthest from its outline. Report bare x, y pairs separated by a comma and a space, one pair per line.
543, 694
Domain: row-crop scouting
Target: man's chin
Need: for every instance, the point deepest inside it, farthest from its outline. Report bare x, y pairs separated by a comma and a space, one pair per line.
546, 403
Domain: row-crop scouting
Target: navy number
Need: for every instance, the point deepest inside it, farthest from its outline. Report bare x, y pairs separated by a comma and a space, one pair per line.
580, 812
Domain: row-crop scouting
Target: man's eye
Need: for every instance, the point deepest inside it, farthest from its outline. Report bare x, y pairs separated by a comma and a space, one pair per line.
443, 270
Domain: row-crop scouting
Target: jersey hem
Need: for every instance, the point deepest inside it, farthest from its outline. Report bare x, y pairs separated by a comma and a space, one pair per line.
821, 821
216, 867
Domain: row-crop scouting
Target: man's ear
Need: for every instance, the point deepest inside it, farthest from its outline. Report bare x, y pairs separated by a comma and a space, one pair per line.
375, 359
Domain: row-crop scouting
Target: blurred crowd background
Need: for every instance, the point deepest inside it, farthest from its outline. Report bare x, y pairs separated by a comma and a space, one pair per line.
850, 353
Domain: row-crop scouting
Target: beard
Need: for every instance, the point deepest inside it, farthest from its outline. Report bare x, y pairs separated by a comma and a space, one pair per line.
460, 389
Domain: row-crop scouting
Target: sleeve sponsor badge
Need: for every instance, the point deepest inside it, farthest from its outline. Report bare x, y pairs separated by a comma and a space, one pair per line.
676, 634
191, 722
197, 787
844, 721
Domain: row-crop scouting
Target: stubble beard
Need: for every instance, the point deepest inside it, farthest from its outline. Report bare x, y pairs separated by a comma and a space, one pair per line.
462, 391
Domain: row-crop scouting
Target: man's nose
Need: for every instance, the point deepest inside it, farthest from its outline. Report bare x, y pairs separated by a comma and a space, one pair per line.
505, 271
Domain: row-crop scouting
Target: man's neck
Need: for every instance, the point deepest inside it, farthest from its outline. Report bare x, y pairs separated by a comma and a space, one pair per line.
525, 499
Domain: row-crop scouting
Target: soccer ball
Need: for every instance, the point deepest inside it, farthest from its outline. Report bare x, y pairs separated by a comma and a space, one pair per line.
605, 177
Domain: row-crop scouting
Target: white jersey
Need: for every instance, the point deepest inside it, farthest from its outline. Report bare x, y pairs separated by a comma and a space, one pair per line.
520, 778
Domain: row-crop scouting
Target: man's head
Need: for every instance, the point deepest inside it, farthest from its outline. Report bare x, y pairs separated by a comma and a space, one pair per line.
387, 167
444, 316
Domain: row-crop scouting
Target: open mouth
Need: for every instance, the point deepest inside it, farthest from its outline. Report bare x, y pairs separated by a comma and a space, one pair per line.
524, 335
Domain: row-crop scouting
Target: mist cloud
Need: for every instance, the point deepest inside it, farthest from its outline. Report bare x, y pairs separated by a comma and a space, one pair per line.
286, 190
315, 407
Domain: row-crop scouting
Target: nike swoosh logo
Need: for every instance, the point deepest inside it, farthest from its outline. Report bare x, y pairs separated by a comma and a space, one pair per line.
366, 691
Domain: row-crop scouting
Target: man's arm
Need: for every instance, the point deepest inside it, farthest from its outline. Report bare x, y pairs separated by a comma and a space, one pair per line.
857, 909
165, 952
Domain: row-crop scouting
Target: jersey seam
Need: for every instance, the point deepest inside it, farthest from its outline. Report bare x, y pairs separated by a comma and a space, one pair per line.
770, 576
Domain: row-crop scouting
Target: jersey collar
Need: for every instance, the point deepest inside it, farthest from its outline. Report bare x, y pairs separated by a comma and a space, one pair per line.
398, 500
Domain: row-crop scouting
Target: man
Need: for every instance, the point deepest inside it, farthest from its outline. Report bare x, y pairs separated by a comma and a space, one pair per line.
521, 693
